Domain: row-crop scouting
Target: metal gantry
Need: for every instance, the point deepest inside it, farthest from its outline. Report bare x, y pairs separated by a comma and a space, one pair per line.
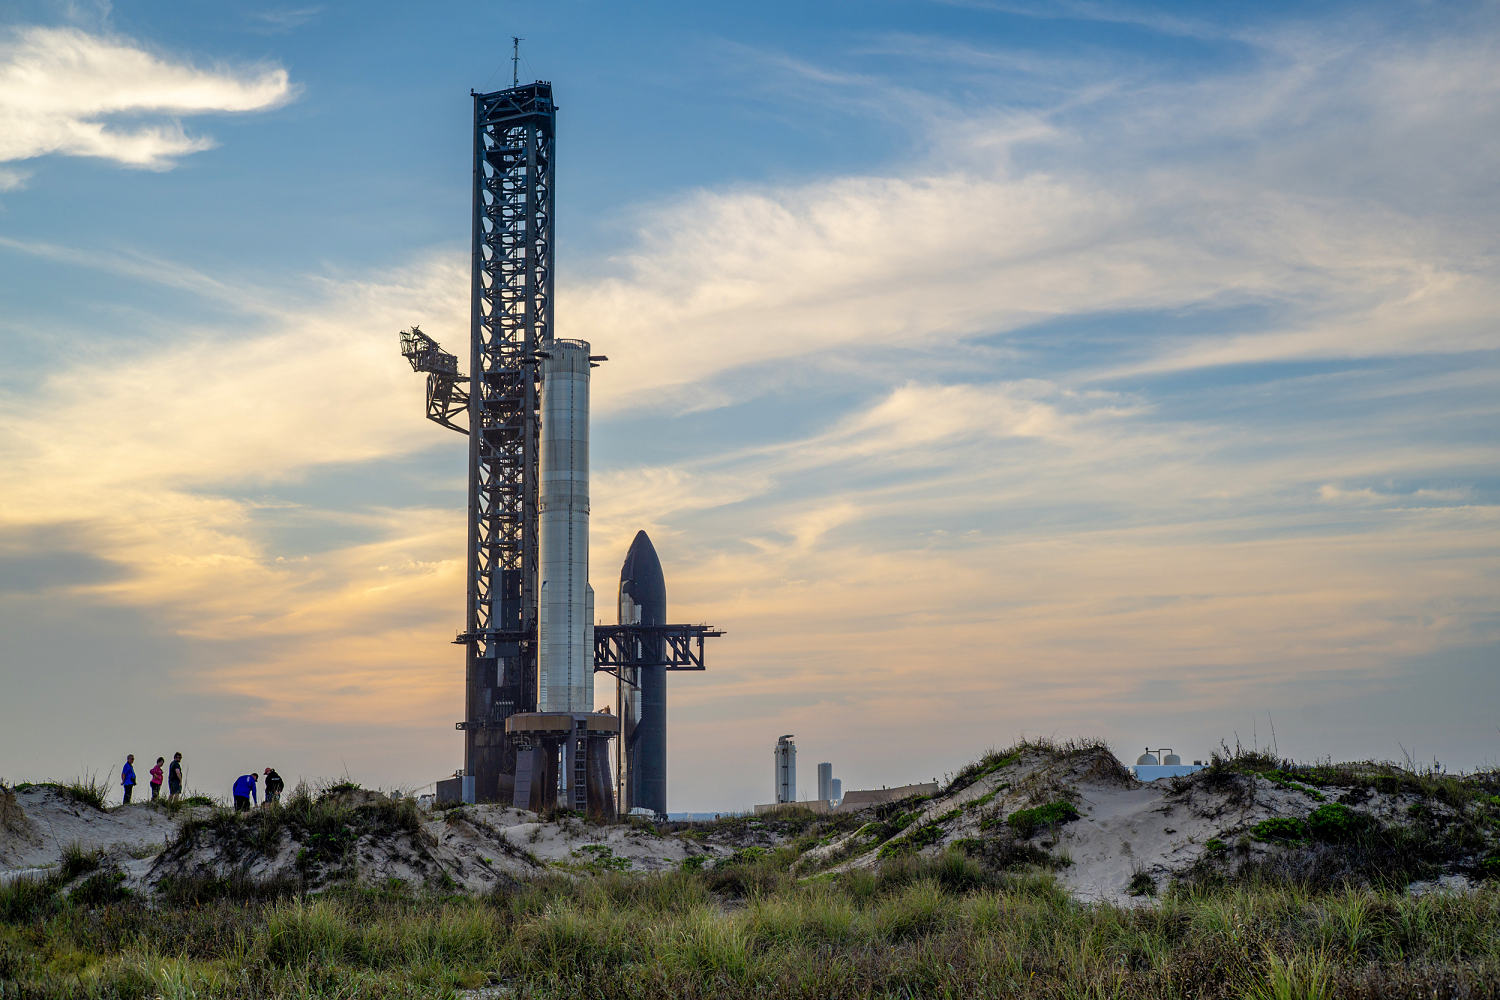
675, 647
510, 321
510, 333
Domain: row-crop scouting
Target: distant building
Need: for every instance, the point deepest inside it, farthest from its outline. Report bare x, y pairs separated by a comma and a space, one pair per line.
811, 805
836, 794
854, 800
786, 769
825, 781
861, 798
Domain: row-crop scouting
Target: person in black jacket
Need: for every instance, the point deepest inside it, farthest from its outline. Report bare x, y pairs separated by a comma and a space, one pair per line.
273, 786
174, 777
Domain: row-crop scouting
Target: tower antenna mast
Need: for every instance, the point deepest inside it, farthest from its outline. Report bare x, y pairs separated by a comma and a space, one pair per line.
515, 60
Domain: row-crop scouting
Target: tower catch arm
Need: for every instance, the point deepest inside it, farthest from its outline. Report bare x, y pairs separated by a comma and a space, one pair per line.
447, 396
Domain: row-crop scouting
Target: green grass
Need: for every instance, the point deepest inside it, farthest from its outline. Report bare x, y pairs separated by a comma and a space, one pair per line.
1028, 822
87, 790
30, 896
920, 836
946, 926
1280, 830
594, 858
322, 830
981, 918
1141, 884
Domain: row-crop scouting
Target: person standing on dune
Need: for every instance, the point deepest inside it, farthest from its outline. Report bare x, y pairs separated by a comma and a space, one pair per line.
127, 776
156, 778
174, 777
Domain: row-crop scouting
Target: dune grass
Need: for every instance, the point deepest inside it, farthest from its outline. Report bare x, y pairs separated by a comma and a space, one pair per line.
88, 790
913, 927
323, 829
981, 919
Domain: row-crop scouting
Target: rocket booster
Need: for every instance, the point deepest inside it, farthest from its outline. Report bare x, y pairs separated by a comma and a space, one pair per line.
565, 603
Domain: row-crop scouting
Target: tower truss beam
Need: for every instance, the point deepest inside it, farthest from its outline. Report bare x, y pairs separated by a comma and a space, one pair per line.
679, 647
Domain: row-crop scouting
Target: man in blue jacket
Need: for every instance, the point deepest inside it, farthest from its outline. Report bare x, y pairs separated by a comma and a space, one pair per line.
244, 792
127, 776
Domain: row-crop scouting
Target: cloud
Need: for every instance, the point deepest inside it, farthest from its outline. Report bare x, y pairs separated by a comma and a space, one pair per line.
284, 19
925, 462
64, 91
1354, 211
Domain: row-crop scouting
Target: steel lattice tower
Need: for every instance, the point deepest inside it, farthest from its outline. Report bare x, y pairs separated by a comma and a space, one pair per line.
510, 321
510, 334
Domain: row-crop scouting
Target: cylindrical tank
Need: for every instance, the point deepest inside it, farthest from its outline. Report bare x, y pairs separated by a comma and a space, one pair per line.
1145, 758
1171, 759
643, 601
565, 642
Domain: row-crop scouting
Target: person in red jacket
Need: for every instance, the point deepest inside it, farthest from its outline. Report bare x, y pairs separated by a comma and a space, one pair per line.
156, 776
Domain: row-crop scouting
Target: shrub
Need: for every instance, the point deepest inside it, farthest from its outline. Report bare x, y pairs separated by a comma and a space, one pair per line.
77, 861
1335, 823
986, 798
1006, 852
920, 837
1141, 884
1280, 829
1215, 846
597, 858
100, 889
1026, 822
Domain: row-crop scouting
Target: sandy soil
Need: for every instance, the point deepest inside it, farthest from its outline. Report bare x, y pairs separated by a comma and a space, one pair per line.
477, 847
1124, 830
50, 821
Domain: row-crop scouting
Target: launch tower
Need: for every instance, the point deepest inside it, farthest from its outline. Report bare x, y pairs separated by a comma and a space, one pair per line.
530, 643
510, 331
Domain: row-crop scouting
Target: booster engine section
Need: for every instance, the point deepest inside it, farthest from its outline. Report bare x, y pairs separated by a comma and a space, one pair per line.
565, 607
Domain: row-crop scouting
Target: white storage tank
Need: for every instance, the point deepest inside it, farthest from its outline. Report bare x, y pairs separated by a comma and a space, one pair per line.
1162, 763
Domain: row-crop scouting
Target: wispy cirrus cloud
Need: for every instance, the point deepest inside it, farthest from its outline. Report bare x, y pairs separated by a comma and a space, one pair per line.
67, 92
1022, 460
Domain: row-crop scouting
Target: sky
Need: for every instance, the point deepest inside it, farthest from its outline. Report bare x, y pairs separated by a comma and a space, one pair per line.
986, 370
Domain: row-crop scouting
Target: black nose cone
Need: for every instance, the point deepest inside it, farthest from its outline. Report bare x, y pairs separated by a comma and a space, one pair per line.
642, 579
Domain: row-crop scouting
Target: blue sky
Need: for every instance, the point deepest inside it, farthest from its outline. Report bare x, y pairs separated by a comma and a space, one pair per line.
986, 369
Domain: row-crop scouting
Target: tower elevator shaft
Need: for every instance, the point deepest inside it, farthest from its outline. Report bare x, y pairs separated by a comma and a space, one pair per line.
511, 299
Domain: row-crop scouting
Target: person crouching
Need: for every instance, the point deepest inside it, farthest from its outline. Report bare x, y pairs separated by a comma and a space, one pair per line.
244, 792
